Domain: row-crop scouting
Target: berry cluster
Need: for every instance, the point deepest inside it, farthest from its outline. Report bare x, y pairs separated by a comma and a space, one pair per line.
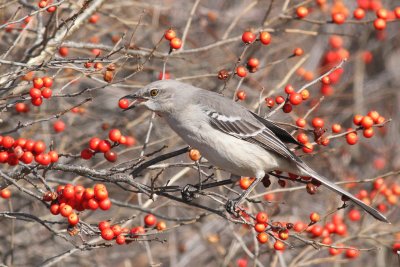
41, 89
25, 150
104, 146
68, 198
174, 42
45, 3
109, 232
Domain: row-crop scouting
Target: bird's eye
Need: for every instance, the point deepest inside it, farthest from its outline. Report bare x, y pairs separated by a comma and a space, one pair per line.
153, 92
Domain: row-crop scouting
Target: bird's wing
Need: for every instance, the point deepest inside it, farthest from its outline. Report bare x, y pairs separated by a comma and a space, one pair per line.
250, 130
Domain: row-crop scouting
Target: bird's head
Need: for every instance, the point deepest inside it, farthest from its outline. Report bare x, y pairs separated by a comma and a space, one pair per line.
159, 96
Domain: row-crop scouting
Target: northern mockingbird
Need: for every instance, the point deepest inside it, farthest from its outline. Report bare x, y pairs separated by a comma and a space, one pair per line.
229, 136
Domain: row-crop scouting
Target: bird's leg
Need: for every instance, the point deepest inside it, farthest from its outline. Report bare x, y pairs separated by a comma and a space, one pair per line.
198, 168
232, 204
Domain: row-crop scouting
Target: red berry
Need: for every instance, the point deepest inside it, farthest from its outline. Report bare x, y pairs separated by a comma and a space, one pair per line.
352, 253
37, 83
107, 234
59, 126
150, 220
335, 42
253, 62
270, 102
241, 71
338, 18
302, 138
39, 147
248, 37
27, 157
359, 13
397, 12
262, 237
73, 219
104, 146
265, 37
37, 101
47, 81
111, 156
301, 122
262, 217
379, 24
114, 135
105, 204
21, 107
354, 215
5, 193
298, 52
301, 12
241, 95
169, 34
123, 103
279, 245
287, 108
336, 128
279, 100
94, 18
260, 227
65, 210
104, 225
351, 138
116, 229
35, 93
63, 51
8, 141
120, 240
295, 99
46, 92
314, 217
317, 123
289, 89
175, 43
308, 148
382, 13
86, 154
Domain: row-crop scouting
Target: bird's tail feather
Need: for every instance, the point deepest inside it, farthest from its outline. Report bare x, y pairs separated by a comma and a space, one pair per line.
376, 214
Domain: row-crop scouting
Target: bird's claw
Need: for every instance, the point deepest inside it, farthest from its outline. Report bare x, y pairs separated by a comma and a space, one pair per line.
231, 207
189, 192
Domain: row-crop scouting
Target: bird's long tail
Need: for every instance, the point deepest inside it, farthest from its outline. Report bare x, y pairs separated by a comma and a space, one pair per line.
310, 172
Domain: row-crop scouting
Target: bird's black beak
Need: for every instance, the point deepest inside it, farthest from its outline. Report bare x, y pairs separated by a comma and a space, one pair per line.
136, 100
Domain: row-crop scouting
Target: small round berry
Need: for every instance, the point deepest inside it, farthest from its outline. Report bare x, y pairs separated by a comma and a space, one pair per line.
295, 99
241, 71
351, 138
357, 119
241, 95
94, 18
314, 217
104, 225
262, 217
66, 210
253, 62
279, 100
47, 81
175, 43
248, 37
63, 51
169, 34
308, 148
194, 154
367, 122
326, 80
382, 13
262, 237
336, 128
397, 12
59, 126
289, 89
5, 193
305, 94
335, 41
114, 135
352, 253
338, 18
150, 220
298, 52
301, 12
107, 234
265, 37
120, 240
35, 93
302, 138
104, 146
354, 215
86, 154
279, 245
37, 83
269, 101
359, 13
368, 132
287, 108
73, 219
105, 204
317, 122
161, 226
379, 24
47, 92
300, 122
123, 103
260, 227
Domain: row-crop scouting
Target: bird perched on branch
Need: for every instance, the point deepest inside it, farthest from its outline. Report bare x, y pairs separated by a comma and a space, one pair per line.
229, 136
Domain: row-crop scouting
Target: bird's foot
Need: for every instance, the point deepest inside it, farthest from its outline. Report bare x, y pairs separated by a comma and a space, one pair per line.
189, 192
231, 207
